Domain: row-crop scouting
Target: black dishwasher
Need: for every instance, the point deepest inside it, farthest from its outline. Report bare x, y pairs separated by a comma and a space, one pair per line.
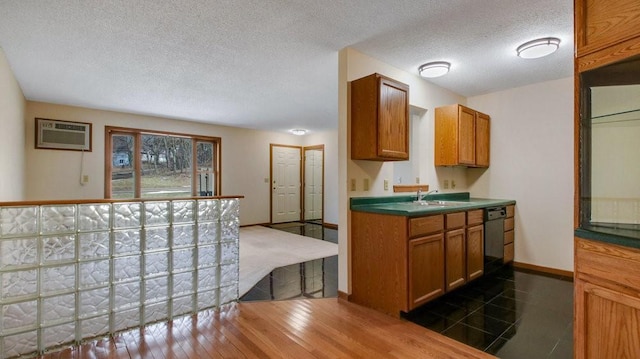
494, 238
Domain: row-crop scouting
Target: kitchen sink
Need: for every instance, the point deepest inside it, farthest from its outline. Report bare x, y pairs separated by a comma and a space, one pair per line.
421, 205
437, 203
417, 204
444, 203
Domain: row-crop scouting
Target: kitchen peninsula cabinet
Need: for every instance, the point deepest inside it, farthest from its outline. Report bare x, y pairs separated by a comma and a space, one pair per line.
462, 137
399, 263
379, 119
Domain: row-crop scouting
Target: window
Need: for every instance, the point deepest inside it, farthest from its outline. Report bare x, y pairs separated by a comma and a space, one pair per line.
148, 164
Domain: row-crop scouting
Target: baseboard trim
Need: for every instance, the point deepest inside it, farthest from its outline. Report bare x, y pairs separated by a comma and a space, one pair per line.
267, 224
329, 225
256, 224
547, 270
343, 296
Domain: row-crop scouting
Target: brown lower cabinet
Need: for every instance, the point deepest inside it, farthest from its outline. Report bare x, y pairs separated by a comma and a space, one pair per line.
475, 252
607, 301
426, 269
509, 235
455, 258
400, 263
455, 253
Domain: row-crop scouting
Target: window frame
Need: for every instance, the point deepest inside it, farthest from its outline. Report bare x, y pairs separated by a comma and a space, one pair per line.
137, 135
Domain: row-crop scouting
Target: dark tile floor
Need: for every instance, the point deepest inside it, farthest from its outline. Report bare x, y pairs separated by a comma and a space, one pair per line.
313, 279
511, 313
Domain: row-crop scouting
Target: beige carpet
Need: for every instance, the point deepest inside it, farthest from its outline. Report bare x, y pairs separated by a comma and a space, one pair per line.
264, 249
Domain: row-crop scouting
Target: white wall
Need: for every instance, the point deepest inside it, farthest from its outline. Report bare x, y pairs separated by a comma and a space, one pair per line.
532, 163
12, 106
424, 97
55, 174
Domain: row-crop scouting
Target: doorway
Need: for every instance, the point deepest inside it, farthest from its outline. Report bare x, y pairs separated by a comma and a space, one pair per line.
313, 184
285, 183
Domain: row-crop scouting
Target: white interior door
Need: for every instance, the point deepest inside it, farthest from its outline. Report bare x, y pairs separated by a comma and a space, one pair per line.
285, 184
313, 164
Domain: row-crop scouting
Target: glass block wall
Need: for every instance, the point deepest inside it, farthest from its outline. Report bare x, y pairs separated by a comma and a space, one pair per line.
74, 271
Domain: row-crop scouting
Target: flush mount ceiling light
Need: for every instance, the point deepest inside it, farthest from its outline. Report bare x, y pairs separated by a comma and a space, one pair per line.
298, 131
538, 48
434, 69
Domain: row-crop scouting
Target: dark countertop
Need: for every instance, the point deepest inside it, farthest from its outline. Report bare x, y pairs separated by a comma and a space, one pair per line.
621, 237
403, 205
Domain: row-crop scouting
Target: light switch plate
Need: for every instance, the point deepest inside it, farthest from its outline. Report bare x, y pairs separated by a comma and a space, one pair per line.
353, 184
386, 185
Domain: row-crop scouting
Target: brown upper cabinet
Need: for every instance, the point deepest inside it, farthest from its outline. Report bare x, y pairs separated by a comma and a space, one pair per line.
461, 137
379, 119
605, 31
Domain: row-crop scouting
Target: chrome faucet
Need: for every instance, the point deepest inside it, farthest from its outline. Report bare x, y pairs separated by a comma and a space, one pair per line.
419, 195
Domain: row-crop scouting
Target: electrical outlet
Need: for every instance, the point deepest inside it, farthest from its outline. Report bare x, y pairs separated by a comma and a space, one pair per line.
417, 180
85, 178
386, 185
266, 180
365, 184
453, 184
446, 184
353, 184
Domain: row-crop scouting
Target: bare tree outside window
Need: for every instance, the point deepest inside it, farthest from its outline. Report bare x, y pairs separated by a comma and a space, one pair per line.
165, 166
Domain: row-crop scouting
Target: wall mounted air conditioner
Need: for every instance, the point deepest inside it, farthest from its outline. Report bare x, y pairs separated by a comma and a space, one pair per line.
63, 135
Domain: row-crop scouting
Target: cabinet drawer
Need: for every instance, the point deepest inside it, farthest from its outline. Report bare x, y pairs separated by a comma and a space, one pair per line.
474, 217
508, 253
508, 224
456, 220
508, 237
425, 225
511, 211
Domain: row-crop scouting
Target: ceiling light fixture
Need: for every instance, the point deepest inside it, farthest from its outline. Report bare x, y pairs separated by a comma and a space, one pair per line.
434, 69
298, 131
538, 48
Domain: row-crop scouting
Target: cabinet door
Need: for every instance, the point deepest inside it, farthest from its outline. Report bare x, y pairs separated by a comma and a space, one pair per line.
393, 120
466, 136
608, 324
475, 252
426, 269
455, 258
482, 139
603, 23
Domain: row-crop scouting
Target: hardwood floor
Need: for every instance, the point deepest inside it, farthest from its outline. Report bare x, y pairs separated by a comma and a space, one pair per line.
309, 328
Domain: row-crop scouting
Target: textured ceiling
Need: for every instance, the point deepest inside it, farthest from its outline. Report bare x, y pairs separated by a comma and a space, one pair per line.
265, 64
